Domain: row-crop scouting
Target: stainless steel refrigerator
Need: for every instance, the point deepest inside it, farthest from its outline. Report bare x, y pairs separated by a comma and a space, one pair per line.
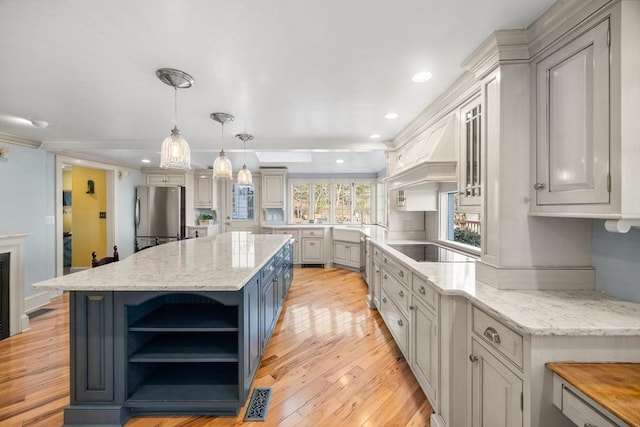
159, 215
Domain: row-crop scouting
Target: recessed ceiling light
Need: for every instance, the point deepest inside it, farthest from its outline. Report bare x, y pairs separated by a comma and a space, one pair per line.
146, 161
374, 136
339, 161
420, 77
391, 116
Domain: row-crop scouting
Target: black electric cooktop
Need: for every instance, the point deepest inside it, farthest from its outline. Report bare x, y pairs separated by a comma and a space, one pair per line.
429, 252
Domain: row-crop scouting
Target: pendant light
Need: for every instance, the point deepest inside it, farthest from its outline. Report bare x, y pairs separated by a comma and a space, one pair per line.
222, 165
244, 175
175, 152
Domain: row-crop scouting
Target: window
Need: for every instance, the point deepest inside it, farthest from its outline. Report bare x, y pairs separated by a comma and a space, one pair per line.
342, 202
325, 201
301, 203
461, 227
242, 202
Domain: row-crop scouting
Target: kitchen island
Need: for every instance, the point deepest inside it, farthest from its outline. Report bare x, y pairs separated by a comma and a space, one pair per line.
176, 329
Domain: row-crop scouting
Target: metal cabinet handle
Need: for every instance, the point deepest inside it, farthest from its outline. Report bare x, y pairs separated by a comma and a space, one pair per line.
271, 268
385, 276
492, 335
384, 299
312, 243
539, 186
412, 307
400, 322
423, 291
401, 293
384, 259
401, 273
473, 358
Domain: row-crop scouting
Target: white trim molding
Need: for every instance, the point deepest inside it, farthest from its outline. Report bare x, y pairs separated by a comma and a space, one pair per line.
14, 245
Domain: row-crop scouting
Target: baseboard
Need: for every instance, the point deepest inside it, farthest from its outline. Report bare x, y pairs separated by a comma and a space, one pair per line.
536, 278
437, 421
34, 302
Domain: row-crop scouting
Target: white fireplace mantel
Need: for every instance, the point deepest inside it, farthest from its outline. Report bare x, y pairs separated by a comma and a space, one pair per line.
14, 245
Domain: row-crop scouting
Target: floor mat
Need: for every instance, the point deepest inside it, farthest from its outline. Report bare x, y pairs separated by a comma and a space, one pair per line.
258, 405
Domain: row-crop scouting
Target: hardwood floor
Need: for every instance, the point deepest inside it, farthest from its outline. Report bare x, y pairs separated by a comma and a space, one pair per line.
330, 362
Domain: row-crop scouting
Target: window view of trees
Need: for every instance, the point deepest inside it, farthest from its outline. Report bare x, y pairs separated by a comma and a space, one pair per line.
321, 202
342, 202
338, 202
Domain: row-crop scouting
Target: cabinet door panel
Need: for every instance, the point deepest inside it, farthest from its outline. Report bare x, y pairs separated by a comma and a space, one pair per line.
252, 324
573, 121
92, 344
312, 251
496, 391
203, 194
424, 349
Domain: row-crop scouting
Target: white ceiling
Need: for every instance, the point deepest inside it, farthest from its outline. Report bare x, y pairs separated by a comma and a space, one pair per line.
297, 74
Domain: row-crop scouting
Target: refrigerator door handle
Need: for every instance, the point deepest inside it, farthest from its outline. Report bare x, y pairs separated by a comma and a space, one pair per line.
137, 214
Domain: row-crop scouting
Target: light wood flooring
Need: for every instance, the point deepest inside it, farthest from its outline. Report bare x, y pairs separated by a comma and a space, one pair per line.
330, 362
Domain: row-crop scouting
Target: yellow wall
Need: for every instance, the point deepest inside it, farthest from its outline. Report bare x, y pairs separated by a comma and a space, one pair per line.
89, 231
67, 214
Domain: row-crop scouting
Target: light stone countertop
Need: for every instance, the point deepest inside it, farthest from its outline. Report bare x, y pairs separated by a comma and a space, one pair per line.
568, 313
225, 262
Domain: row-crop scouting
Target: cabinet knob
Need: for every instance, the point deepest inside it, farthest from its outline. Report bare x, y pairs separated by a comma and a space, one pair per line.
401, 293
473, 358
412, 307
384, 299
385, 275
492, 335
423, 291
539, 186
400, 322
384, 259
401, 273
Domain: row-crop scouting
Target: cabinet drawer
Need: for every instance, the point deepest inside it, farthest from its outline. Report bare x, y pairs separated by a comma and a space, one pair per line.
580, 412
315, 232
293, 232
424, 291
397, 292
396, 322
401, 273
498, 336
268, 269
377, 254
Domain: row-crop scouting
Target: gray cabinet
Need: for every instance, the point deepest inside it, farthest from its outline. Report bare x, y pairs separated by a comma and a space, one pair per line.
252, 337
312, 250
572, 121
424, 346
161, 179
92, 347
273, 187
496, 392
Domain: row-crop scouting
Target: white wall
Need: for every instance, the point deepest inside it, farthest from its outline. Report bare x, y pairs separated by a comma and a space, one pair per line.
27, 203
616, 258
125, 232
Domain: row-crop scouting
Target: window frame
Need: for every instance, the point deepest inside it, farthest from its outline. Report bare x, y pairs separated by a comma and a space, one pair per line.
311, 182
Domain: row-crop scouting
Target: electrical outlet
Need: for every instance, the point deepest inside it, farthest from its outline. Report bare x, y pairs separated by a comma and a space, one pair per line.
103, 215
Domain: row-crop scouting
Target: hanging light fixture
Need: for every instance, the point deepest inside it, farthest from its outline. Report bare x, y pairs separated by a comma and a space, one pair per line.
244, 175
175, 152
222, 165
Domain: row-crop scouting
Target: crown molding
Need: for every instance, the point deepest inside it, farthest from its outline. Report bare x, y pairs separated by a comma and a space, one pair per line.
501, 46
18, 140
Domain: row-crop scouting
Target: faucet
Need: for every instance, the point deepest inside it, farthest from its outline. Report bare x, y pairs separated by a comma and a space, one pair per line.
358, 213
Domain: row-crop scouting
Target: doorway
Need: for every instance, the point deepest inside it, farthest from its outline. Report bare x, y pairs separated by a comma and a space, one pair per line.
85, 220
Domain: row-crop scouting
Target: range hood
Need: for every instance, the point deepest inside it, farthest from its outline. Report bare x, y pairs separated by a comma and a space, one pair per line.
429, 155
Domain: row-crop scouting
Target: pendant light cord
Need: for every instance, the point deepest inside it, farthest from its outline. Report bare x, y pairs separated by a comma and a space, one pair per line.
175, 106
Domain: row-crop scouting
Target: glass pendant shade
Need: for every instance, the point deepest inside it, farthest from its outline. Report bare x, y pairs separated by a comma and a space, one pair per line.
222, 167
244, 176
175, 152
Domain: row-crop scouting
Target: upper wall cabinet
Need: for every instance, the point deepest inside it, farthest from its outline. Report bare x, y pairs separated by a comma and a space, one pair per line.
203, 192
164, 179
273, 187
585, 132
470, 167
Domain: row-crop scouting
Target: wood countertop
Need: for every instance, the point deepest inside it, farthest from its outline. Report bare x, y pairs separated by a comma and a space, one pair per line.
614, 386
